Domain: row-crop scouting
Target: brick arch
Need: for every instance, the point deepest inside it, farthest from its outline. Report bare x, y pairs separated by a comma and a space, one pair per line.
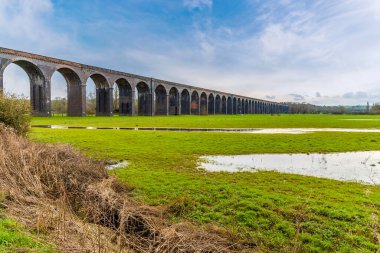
203, 103
126, 105
211, 104
185, 102
174, 103
103, 96
224, 105
218, 104
39, 85
195, 108
160, 100
144, 98
75, 91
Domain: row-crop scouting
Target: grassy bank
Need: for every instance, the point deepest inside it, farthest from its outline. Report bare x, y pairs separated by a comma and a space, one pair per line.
220, 121
268, 210
13, 238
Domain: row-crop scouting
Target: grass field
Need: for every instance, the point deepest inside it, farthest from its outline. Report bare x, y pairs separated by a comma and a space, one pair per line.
220, 121
13, 238
271, 211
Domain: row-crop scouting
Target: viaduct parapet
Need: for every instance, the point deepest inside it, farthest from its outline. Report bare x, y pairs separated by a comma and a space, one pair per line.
150, 96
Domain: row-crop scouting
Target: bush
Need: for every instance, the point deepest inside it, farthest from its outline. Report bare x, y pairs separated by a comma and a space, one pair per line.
15, 113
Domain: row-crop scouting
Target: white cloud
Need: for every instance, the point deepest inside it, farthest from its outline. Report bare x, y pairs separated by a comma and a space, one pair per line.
289, 47
197, 4
23, 25
330, 47
276, 40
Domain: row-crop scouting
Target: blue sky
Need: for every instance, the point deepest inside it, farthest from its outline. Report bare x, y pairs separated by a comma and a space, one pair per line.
322, 52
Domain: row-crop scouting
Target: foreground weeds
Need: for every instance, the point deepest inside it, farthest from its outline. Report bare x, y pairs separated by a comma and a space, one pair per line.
63, 196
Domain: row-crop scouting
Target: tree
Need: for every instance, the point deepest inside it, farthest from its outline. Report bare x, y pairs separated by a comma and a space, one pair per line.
375, 109
15, 112
116, 99
59, 106
90, 104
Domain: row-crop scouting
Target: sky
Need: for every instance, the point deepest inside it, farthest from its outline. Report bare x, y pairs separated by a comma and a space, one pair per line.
324, 52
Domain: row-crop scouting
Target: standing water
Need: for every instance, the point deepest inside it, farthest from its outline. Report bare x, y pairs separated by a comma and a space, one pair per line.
362, 167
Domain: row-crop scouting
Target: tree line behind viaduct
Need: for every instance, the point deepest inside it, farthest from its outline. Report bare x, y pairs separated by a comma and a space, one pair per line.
150, 96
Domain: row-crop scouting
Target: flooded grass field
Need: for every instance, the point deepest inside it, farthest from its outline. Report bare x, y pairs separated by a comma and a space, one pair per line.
262, 208
220, 121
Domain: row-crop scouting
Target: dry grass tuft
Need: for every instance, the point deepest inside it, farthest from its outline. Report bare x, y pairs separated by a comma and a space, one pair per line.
70, 199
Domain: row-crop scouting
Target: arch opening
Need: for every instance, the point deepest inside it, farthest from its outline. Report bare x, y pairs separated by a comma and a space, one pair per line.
234, 106
218, 105
33, 85
161, 100
195, 103
123, 93
173, 101
100, 101
203, 108
211, 104
185, 102
229, 105
144, 99
67, 93
224, 105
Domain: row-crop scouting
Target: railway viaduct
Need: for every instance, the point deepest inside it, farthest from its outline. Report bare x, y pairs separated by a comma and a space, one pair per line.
153, 96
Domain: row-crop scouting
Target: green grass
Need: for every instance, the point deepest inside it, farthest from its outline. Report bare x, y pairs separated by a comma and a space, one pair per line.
264, 208
13, 238
221, 121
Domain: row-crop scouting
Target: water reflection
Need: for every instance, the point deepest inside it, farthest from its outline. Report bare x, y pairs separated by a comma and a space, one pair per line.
226, 130
361, 167
117, 165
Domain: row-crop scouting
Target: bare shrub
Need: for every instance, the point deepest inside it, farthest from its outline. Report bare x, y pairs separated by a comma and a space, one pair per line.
70, 199
15, 112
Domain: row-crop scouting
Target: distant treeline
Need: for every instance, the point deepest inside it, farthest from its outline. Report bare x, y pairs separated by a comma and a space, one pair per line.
305, 108
59, 106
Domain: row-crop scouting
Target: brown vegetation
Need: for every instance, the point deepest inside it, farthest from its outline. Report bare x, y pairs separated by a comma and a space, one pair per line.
71, 200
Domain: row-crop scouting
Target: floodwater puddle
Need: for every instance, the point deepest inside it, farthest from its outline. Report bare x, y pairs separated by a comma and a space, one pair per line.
361, 167
227, 130
117, 165
362, 119
310, 130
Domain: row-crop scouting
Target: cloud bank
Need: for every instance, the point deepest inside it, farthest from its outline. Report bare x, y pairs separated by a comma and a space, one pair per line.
322, 52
